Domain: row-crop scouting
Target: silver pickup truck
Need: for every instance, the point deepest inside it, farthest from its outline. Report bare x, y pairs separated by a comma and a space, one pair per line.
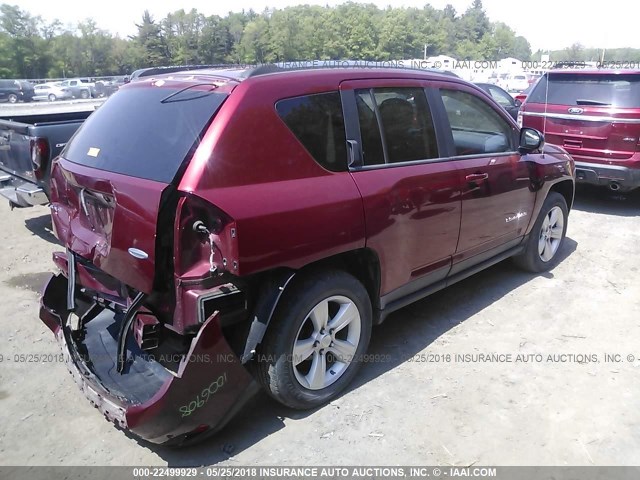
80, 87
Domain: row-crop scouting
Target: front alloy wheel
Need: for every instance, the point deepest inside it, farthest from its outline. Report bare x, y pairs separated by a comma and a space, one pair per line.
546, 236
551, 234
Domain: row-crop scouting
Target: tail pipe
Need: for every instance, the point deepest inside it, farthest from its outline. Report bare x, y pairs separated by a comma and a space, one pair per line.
614, 186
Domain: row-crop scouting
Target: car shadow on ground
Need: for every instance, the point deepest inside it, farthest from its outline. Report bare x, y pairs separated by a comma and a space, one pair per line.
602, 200
41, 226
404, 334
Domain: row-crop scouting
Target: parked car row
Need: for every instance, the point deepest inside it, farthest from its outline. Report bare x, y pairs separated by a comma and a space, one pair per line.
14, 91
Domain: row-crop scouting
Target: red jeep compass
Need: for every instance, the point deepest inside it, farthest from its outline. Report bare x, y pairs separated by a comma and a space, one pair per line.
227, 229
595, 116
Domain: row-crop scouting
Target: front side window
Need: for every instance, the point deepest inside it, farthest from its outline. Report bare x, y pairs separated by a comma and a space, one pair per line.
318, 123
476, 127
395, 125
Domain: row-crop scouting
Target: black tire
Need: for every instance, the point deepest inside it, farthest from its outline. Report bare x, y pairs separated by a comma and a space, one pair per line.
273, 362
12, 98
52, 97
531, 259
84, 94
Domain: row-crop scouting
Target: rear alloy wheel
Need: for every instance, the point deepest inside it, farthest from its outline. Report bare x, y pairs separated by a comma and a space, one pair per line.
52, 97
546, 237
13, 98
326, 342
84, 94
315, 343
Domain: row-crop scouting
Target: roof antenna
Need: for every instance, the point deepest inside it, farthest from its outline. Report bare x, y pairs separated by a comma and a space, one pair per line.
546, 104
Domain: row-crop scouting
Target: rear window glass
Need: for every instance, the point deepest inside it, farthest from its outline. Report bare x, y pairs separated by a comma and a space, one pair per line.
403, 117
144, 132
317, 121
616, 90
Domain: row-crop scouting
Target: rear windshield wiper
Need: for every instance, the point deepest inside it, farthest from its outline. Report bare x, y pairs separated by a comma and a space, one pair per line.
172, 97
582, 101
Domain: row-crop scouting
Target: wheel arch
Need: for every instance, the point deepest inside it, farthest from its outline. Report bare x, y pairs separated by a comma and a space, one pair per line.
363, 264
566, 188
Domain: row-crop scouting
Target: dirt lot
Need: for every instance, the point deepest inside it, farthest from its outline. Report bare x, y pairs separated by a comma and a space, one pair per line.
435, 409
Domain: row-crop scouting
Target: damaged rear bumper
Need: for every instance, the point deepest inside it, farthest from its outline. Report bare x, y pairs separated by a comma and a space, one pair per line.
156, 404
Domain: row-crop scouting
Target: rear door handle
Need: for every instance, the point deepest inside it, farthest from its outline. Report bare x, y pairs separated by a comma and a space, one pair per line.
477, 177
354, 153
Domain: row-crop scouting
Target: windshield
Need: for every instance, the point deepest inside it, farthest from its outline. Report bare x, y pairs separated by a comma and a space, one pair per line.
615, 90
136, 133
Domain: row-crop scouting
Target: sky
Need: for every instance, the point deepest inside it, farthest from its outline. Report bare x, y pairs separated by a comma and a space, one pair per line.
547, 24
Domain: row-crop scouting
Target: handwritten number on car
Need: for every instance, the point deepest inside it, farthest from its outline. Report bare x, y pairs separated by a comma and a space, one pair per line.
203, 397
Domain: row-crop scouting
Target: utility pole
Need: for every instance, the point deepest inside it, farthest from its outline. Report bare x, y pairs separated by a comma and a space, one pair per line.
425, 50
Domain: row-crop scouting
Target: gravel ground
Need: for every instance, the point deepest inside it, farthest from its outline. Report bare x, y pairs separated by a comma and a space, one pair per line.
431, 402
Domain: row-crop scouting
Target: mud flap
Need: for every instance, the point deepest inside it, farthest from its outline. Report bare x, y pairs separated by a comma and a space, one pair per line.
266, 306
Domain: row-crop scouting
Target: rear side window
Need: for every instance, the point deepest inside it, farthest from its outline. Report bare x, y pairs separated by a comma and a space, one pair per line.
476, 127
144, 132
317, 121
396, 125
599, 89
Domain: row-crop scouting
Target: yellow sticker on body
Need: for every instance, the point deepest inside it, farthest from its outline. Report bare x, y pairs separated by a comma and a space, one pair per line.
93, 152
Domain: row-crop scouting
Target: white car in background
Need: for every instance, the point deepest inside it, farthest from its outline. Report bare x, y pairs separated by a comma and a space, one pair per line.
516, 82
51, 92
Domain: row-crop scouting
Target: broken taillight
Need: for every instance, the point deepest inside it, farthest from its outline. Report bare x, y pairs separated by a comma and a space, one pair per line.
39, 156
206, 240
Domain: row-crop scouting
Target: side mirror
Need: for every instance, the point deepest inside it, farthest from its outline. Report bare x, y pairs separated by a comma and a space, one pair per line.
530, 140
517, 103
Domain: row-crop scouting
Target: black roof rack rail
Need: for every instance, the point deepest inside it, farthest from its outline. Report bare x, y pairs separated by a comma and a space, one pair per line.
239, 72
147, 72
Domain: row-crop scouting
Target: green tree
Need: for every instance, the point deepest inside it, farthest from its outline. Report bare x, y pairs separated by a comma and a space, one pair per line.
32, 48
153, 45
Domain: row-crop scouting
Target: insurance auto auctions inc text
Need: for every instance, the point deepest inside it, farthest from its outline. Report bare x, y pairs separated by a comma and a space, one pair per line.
581, 358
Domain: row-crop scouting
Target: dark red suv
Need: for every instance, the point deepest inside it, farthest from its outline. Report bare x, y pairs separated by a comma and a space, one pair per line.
229, 229
595, 116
